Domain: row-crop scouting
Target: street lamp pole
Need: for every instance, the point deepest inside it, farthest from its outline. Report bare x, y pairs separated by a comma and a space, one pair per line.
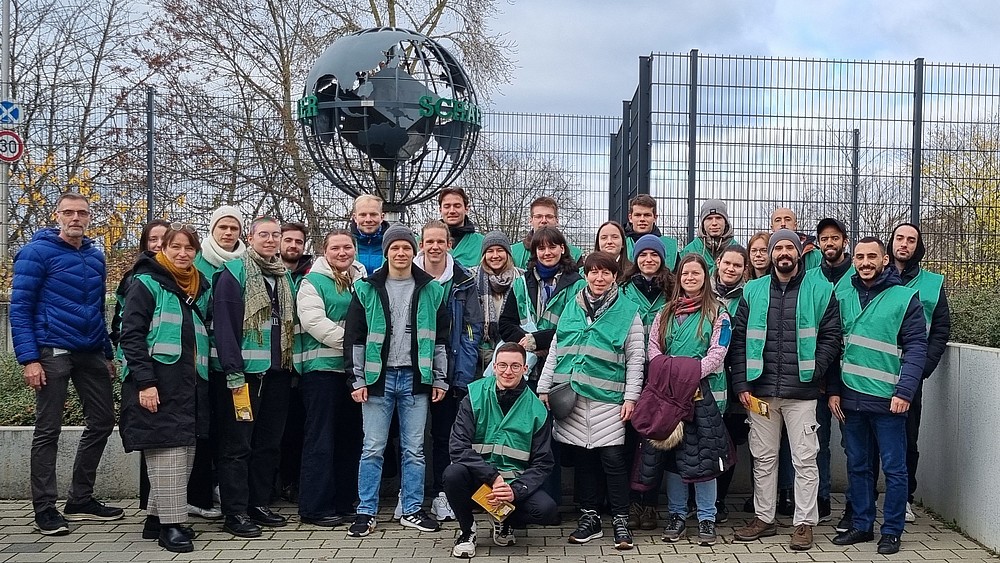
5, 167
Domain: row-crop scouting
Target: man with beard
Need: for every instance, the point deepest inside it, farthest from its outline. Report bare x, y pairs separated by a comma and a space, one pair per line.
906, 247
544, 212
642, 221
785, 218
785, 335
884, 355
466, 242
715, 233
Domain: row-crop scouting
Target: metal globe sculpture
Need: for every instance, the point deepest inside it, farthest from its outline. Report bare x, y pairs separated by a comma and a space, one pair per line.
389, 112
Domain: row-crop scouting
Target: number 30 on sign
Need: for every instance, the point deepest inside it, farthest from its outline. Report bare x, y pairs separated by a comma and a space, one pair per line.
11, 146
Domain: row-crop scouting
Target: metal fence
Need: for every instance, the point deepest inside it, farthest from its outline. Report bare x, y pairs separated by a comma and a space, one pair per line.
873, 143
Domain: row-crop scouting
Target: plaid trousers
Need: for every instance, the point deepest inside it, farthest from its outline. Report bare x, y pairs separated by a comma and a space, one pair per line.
169, 470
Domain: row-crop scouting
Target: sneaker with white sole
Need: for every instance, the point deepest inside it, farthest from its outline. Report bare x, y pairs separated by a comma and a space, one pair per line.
206, 513
419, 520
465, 544
503, 534
397, 512
441, 509
588, 528
363, 525
910, 516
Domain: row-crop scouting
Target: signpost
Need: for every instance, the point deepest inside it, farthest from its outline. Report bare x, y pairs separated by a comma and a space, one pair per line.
11, 146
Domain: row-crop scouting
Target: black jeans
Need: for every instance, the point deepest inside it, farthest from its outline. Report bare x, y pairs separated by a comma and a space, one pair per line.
632, 444
331, 449
291, 442
600, 473
249, 452
443, 415
736, 425
460, 485
90, 376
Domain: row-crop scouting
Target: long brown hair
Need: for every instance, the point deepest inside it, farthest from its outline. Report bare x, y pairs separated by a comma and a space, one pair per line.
624, 264
342, 280
710, 304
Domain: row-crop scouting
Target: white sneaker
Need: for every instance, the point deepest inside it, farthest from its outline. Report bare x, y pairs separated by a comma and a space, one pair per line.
910, 516
206, 513
216, 496
465, 544
397, 513
441, 509
503, 534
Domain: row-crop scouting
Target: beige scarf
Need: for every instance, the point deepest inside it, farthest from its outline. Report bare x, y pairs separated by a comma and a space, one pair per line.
257, 304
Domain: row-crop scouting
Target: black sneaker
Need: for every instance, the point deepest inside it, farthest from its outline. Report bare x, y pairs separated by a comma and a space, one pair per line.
240, 525
675, 528
786, 502
362, 526
50, 523
93, 509
264, 516
588, 528
721, 513
824, 509
503, 534
846, 520
706, 533
888, 544
419, 520
623, 537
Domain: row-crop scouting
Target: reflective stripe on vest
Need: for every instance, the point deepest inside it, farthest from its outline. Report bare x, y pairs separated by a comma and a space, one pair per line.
811, 303
592, 355
164, 339
504, 440
256, 351
871, 358
312, 355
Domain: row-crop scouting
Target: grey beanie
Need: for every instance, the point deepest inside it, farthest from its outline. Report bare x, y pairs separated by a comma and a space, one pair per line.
713, 207
496, 238
784, 234
396, 232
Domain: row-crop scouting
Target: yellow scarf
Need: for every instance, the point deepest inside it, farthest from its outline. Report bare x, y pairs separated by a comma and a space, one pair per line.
187, 279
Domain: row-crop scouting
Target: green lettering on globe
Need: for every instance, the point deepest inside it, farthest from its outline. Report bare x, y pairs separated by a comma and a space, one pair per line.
447, 108
307, 108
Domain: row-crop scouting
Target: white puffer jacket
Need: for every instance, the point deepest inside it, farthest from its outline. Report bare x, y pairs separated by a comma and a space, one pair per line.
596, 424
312, 311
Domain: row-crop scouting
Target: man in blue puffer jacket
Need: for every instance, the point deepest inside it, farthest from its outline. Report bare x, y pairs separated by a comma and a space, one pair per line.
59, 332
368, 224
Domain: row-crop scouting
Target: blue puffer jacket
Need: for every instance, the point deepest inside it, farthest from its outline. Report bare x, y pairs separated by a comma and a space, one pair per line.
58, 297
369, 247
463, 343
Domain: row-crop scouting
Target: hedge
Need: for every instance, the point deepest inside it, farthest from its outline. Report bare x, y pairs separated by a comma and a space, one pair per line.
18, 405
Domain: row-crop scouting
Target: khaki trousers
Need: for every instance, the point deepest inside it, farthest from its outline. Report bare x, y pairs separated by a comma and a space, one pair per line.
799, 419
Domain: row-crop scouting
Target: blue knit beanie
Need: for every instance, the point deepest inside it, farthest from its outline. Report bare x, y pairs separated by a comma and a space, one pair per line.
649, 242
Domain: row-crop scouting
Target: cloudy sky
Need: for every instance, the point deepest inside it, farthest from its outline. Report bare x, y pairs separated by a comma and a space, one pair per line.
581, 56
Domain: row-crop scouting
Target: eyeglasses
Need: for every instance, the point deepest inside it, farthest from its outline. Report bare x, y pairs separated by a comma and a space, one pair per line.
758, 251
268, 235
71, 212
182, 227
550, 217
500, 368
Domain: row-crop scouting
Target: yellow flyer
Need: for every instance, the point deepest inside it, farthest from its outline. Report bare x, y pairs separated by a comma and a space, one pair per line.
500, 511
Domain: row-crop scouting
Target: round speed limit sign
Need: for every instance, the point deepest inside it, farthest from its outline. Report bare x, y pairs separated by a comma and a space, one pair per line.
11, 146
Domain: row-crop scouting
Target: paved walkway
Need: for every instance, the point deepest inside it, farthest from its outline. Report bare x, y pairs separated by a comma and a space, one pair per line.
926, 541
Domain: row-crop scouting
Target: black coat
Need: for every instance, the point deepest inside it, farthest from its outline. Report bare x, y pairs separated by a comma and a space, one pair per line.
183, 411
510, 321
780, 377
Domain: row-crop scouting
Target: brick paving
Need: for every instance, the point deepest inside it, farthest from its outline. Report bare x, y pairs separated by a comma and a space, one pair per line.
926, 541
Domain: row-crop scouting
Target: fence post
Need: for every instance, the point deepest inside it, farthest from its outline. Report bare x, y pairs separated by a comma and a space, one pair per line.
692, 140
614, 182
918, 129
855, 184
150, 152
644, 137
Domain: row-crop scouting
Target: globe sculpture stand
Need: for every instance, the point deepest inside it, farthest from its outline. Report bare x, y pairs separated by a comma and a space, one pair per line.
389, 112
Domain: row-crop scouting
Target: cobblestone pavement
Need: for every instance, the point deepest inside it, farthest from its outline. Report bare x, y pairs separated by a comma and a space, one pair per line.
926, 541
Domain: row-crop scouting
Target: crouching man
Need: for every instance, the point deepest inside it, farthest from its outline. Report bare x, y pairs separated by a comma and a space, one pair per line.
501, 438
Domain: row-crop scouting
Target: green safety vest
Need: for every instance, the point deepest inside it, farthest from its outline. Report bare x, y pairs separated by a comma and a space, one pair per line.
844, 283
428, 301
928, 286
165, 329
256, 355
469, 251
552, 309
871, 359
311, 354
813, 259
592, 356
697, 246
557, 304
647, 311
813, 299
209, 271
504, 441
669, 245
520, 254
687, 340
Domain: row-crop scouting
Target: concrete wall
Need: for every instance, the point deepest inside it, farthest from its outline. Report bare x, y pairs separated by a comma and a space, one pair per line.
117, 476
959, 442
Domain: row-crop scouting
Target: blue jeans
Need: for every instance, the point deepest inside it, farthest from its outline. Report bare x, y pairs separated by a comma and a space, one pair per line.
863, 431
704, 497
786, 473
377, 415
